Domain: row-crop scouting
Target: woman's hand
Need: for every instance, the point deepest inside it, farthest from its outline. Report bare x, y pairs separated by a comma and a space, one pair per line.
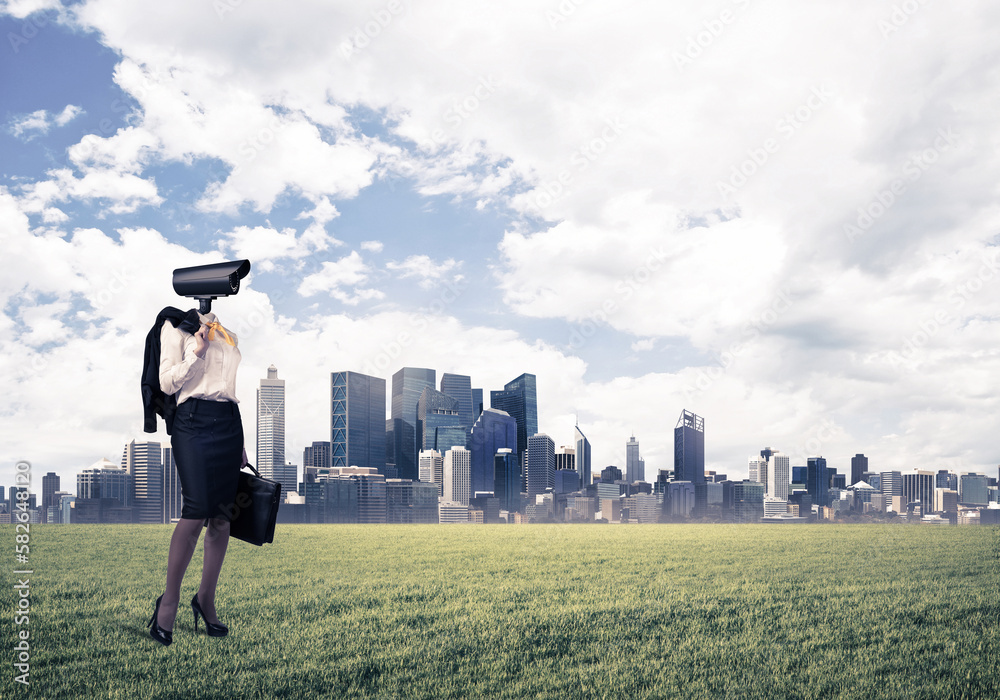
201, 341
244, 458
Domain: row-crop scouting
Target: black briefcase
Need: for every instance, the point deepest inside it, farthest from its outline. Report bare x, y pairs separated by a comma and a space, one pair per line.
257, 501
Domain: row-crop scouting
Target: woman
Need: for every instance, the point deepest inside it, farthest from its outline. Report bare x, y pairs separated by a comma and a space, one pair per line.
207, 442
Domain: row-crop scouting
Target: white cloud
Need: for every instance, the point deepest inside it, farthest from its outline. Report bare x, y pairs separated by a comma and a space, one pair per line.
123, 192
265, 246
428, 272
372, 246
25, 8
333, 277
40, 121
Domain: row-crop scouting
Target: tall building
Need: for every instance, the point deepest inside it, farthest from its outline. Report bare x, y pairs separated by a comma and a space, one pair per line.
143, 461
409, 501
407, 386
743, 500
457, 470
634, 467
507, 479
973, 490
494, 430
315, 457
541, 464
764, 464
173, 498
431, 465
459, 387
477, 402
357, 420
818, 481
271, 425
859, 465
799, 475
519, 399
399, 437
918, 487
439, 425
778, 476
582, 456
890, 484
946, 480
50, 484
104, 480
689, 448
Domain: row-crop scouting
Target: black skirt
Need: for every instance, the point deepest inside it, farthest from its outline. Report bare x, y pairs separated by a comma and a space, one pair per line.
207, 441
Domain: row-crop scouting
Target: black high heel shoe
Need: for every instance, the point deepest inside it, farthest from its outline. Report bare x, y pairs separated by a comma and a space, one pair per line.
164, 637
214, 630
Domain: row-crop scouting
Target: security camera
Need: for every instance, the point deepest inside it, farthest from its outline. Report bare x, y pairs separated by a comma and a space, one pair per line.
209, 282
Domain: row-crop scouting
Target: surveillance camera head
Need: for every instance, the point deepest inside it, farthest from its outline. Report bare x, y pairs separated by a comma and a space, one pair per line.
209, 282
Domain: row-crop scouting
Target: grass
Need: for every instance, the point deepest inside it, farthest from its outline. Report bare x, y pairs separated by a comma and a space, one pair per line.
538, 611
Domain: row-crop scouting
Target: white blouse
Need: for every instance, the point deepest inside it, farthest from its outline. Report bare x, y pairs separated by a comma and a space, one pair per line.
212, 377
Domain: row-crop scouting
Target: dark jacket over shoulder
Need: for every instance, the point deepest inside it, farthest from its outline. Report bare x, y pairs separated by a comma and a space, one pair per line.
154, 401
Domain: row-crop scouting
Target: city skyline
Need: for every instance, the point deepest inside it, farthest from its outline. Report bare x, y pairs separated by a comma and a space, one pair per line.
781, 219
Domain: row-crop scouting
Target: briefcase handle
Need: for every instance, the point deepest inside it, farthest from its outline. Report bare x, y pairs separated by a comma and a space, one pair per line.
253, 469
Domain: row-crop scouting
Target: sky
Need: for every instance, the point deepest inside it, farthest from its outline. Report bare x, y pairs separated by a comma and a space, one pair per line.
781, 216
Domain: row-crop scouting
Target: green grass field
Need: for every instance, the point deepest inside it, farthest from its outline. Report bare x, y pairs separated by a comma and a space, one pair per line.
535, 611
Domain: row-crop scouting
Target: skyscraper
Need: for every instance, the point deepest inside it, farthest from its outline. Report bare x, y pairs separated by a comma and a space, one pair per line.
432, 469
689, 448
439, 424
477, 402
104, 480
519, 399
634, 467
582, 456
818, 480
407, 386
50, 484
357, 420
778, 476
859, 465
973, 490
315, 457
457, 466
507, 479
143, 461
459, 387
494, 430
173, 501
565, 458
541, 464
271, 426
918, 487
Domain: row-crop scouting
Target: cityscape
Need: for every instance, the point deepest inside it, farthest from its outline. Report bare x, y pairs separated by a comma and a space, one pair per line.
446, 455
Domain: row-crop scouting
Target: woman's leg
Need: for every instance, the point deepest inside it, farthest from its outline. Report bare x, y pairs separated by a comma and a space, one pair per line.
182, 545
216, 541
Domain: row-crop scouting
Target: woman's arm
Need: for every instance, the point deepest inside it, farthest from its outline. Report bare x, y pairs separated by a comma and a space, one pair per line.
181, 356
